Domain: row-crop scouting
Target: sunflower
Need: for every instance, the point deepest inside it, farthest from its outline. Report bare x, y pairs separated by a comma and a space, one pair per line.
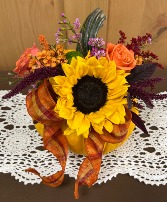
92, 94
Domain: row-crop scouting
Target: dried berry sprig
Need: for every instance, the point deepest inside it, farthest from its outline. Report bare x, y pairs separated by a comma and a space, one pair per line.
138, 43
122, 37
37, 75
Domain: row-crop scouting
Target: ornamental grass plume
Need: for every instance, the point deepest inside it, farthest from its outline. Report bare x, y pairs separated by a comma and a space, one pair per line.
37, 75
136, 91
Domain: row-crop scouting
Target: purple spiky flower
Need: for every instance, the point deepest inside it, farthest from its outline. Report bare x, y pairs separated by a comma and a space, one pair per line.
37, 75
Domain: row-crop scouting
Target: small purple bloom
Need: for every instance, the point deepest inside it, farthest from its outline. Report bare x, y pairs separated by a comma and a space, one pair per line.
96, 42
70, 42
149, 40
100, 42
98, 52
57, 36
77, 23
91, 42
62, 15
76, 36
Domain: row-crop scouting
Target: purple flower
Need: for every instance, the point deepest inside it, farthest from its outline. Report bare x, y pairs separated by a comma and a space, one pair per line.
57, 34
98, 52
70, 42
77, 23
149, 40
91, 42
97, 49
96, 42
100, 42
76, 36
62, 15
57, 38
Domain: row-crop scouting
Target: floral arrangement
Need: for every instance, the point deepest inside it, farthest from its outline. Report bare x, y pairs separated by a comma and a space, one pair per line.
86, 99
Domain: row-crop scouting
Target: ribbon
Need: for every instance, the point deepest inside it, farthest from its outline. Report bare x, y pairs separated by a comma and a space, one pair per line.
40, 105
94, 145
89, 169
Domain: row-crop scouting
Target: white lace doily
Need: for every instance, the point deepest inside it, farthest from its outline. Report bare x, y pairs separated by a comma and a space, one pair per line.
143, 157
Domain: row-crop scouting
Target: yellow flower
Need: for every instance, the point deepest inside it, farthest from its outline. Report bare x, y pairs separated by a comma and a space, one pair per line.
91, 95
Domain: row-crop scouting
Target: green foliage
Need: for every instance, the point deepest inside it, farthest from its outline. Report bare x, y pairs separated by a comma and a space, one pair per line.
72, 54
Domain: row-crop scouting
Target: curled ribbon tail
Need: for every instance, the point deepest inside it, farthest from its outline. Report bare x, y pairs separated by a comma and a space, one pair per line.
40, 104
89, 169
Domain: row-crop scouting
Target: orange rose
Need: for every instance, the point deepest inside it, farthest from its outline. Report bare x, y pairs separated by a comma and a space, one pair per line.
22, 65
123, 57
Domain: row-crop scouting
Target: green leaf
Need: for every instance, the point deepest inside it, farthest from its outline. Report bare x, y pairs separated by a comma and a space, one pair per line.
90, 29
72, 54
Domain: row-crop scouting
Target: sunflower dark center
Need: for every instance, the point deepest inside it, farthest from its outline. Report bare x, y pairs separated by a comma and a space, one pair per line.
90, 94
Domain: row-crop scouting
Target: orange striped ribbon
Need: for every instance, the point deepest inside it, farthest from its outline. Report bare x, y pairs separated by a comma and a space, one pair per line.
40, 105
94, 144
89, 169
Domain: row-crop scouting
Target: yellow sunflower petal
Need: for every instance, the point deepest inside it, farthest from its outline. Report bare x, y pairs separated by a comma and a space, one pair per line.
81, 70
117, 92
84, 127
69, 131
115, 118
65, 91
73, 80
66, 113
76, 121
86, 134
108, 126
58, 80
121, 110
98, 127
73, 62
109, 75
60, 103
107, 110
118, 81
96, 117
92, 61
103, 61
68, 70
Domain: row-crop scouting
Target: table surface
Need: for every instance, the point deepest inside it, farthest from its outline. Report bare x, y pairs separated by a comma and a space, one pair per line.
119, 189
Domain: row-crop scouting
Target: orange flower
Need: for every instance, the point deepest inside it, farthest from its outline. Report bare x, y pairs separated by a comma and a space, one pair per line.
52, 58
43, 41
123, 57
22, 65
